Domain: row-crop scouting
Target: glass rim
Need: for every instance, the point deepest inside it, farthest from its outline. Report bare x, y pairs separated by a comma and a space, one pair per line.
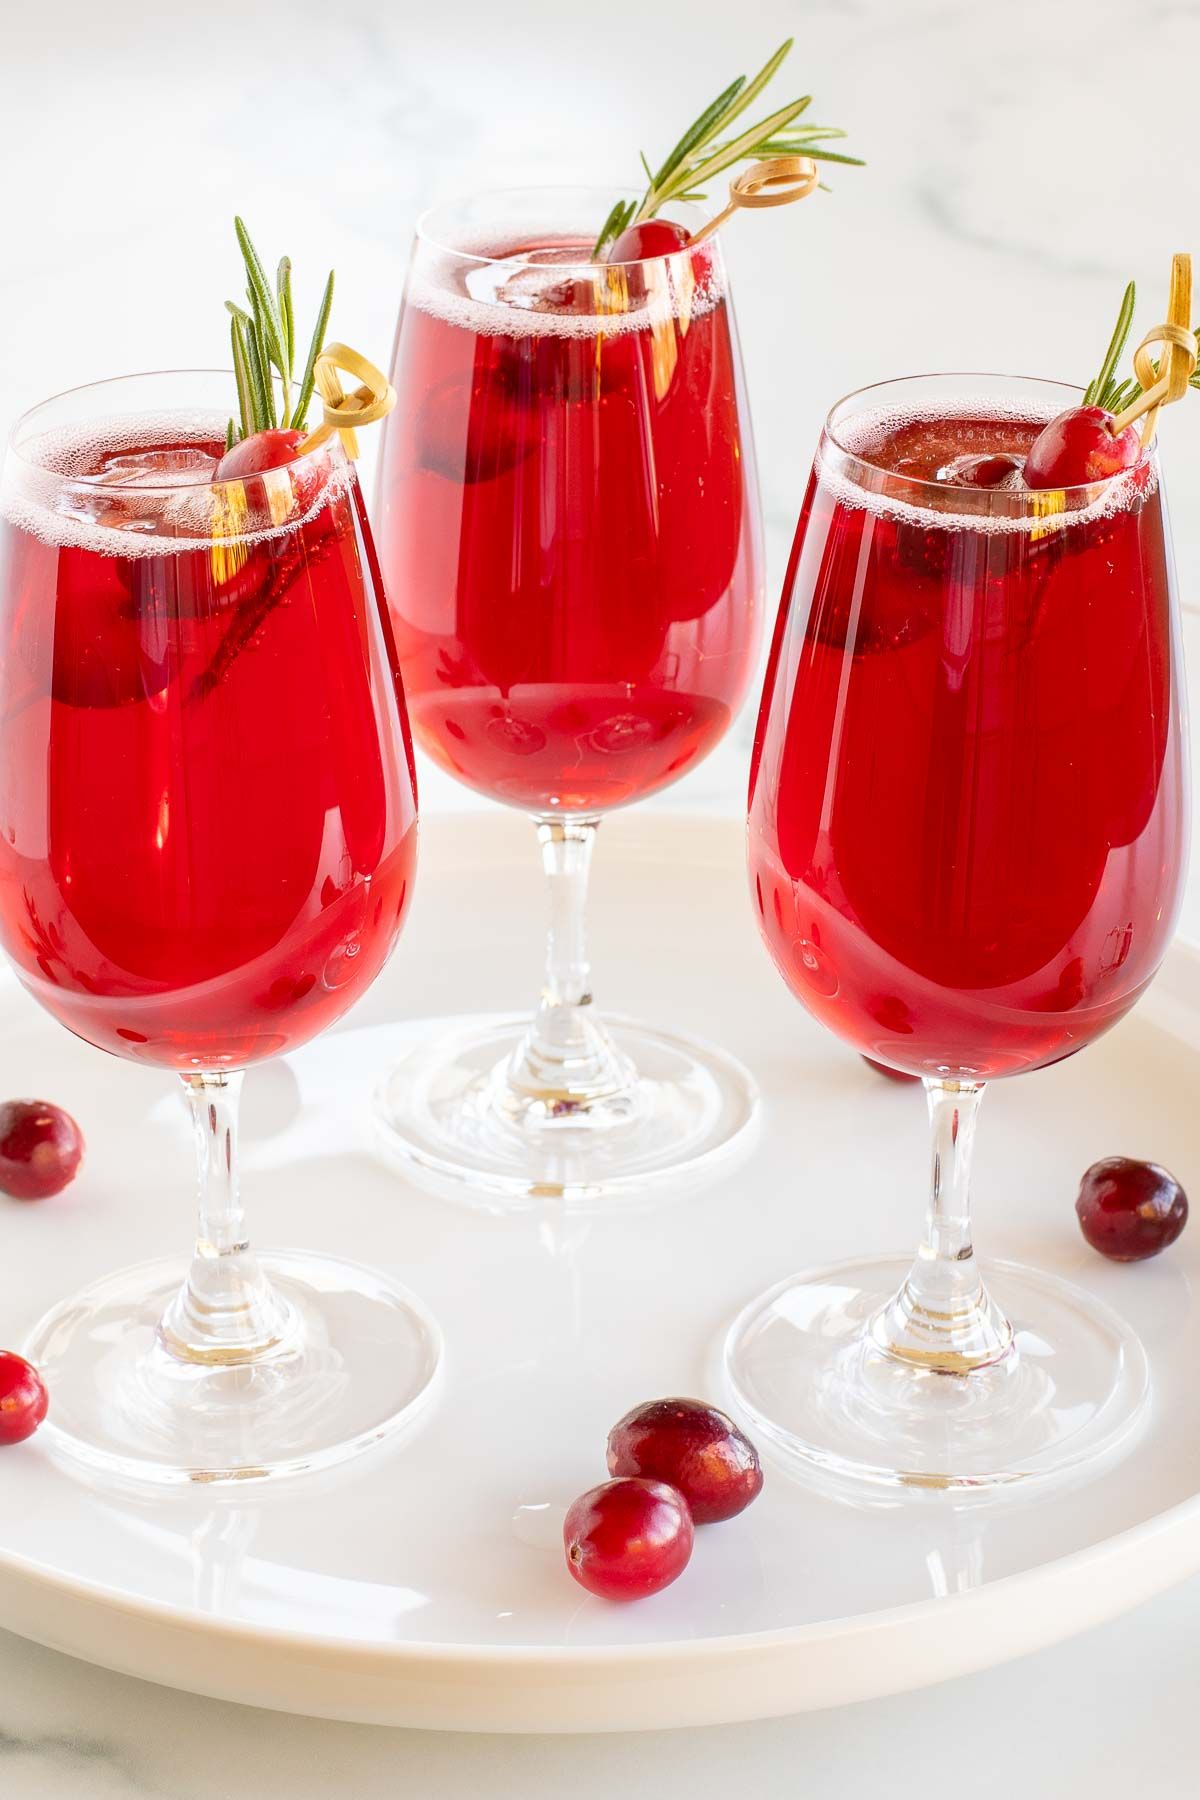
434, 241
974, 499
90, 482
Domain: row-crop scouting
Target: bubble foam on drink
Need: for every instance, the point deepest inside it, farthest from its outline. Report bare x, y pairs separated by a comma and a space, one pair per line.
513, 294
859, 439
136, 507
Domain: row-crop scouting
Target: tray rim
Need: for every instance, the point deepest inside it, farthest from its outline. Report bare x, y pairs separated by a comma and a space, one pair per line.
1116, 1547
567, 1690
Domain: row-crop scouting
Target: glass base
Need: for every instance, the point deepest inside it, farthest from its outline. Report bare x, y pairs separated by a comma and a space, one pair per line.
449, 1109
360, 1361
807, 1373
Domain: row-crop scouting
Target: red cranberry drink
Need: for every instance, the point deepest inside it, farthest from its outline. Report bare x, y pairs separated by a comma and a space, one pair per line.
207, 847
568, 518
967, 839
209, 843
990, 879
569, 534
569, 531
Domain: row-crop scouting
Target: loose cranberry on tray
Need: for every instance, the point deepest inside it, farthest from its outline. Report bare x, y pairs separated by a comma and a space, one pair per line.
627, 1539
41, 1148
23, 1398
695, 1448
1129, 1210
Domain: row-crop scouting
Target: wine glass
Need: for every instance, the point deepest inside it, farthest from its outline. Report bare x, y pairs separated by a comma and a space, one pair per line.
207, 848
967, 832
569, 529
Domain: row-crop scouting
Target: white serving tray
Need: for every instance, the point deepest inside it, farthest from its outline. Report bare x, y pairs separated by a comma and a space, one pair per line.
424, 1584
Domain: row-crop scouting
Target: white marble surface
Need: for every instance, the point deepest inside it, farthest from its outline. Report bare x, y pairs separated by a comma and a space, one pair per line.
1011, 193
1106, 1717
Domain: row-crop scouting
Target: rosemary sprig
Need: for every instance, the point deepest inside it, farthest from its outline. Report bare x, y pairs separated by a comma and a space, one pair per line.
1105, 388
703, 151
1114, 394
308, 379
263, 338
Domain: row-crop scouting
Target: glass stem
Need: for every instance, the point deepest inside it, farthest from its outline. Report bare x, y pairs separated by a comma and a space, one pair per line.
226, 1311
567, 1062
943, 1317
567, 846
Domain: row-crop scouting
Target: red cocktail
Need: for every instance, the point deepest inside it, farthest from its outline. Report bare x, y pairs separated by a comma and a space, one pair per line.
967, 840
207, 845
568, 522
966, 812
225, 818
569, 531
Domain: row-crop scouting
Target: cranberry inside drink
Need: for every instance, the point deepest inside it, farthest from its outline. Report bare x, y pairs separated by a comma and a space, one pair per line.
967, 822
207, 811
568, 520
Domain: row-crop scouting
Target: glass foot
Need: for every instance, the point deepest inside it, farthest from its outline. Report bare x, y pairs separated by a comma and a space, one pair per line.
359, 1361
805, 1368
450, 1109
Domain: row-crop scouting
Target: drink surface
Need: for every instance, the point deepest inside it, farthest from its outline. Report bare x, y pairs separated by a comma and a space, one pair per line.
568, 522
967, 823
207, 813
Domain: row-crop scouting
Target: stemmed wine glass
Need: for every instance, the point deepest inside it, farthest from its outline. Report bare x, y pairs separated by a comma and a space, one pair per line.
207, 848
967, 833
569, 528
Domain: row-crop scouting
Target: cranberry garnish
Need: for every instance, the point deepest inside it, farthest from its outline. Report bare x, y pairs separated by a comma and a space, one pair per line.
1129, 1210
653, 237
1077, 447
23, 1398
882, 1068
695, 1448
626, 1539
260, 451
41, 1147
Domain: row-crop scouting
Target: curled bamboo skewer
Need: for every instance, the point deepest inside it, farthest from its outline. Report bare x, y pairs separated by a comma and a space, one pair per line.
1169, 381
776, 182
343, 412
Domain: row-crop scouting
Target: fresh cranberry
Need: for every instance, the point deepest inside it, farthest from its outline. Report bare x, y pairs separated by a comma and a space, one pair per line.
653, 237
23, 1398
261, 451
881, 1068
694, 1448
626, 1539
265, 451
41, 1147
1129, 1210
1077, 447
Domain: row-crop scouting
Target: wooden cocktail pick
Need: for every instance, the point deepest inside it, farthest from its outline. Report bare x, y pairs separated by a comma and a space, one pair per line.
343, 412
1168, 379
776, 182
